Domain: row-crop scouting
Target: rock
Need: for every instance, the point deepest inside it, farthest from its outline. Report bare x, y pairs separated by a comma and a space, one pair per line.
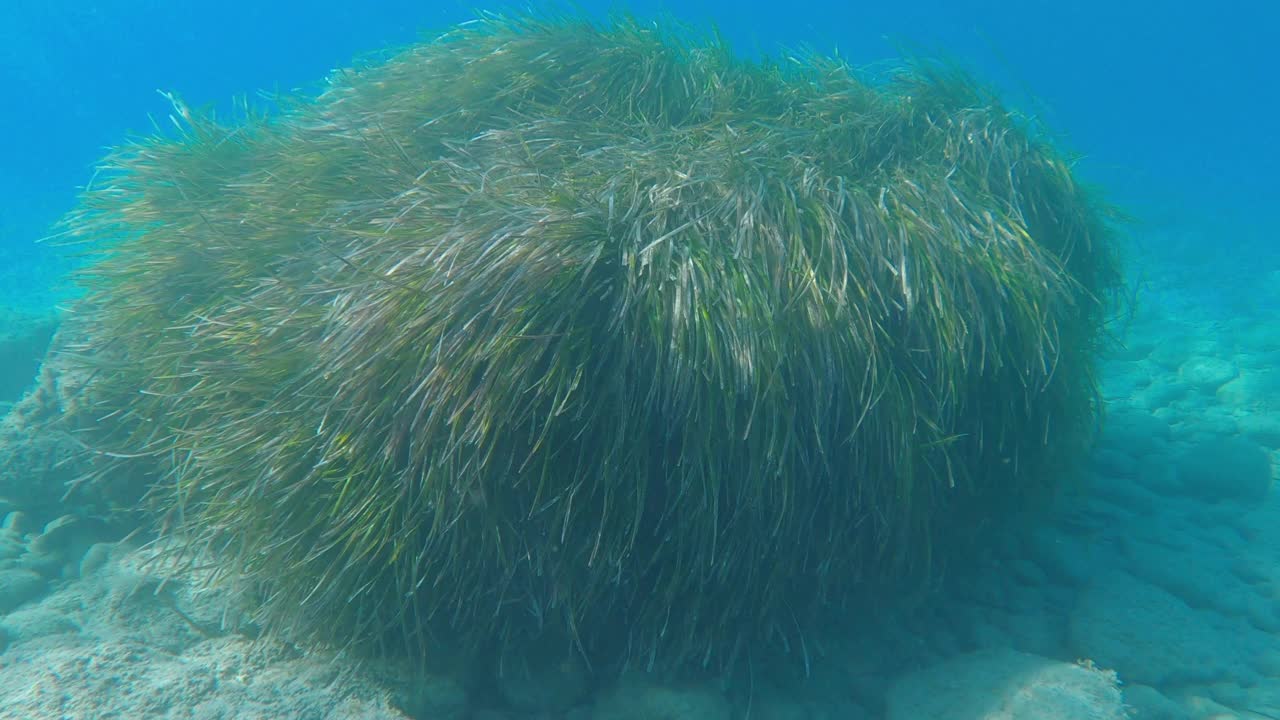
24, 339
1228, 693
1122, 379
37, 465
1134, 348
1261, 613
1254, 697
1113, 463
1038, 633
15, 522
638, 698
1262, 429
1170, 355
11, 545
1207, 374
17, 586
36, 622
77, 676
1115, 496
1205, 421
1066, 559
1028, 573
1133, 430
95, 557
1260, 337
1197, 574
1225, 469
1149, 704
115, 644
46, 564
1267, 663
1161, 393
1257, 389
1150, 636
1001, 684
1159, 476
54, 535
1203, 707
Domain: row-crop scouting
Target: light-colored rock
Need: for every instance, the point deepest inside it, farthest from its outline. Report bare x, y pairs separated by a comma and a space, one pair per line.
1207, 374
94, 558
1007, 685
72, 676
35, 622
15, 521
1253, 389
18, 586
119, 643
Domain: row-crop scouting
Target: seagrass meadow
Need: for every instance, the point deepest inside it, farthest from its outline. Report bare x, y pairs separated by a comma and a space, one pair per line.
592, 334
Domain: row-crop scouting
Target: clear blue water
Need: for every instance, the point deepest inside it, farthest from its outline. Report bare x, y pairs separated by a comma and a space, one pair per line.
1172, 104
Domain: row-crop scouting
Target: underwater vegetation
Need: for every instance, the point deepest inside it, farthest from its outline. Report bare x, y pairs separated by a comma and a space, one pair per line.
597, 333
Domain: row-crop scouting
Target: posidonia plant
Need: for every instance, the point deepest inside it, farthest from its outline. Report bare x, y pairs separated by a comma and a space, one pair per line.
548, 328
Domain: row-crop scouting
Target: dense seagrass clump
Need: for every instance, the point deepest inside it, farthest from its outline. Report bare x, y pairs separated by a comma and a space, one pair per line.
548, 327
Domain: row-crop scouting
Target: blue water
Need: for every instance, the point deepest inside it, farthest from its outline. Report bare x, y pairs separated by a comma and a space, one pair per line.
1171, 103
